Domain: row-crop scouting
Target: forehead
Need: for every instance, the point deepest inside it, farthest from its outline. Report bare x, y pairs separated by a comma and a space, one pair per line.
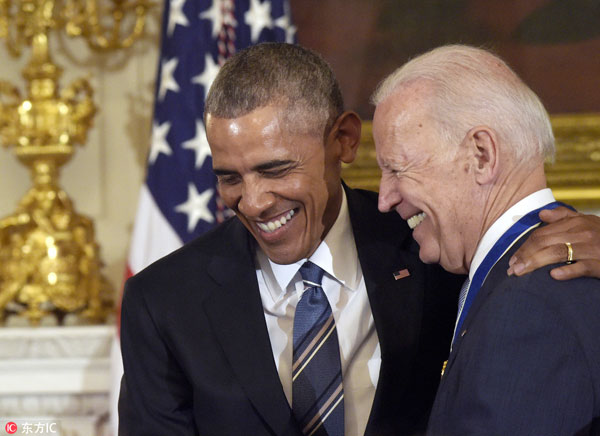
402, 122
256, 126
292, 120
257, 137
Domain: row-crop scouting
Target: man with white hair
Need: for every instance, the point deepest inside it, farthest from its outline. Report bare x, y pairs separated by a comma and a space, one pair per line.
461, 141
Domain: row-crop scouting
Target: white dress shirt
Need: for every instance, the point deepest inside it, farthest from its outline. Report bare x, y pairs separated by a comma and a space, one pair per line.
507, 219
504, 222
281, 288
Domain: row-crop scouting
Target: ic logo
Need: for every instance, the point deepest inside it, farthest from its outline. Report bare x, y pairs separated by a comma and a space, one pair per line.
10, 427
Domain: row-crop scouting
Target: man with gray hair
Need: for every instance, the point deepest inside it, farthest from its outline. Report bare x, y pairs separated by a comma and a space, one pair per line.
461, 141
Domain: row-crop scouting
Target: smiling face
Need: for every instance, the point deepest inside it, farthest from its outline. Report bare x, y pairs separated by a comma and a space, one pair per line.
285, 187
424, 182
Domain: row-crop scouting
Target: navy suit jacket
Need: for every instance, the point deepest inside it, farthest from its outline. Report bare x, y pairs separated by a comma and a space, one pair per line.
526, 361
197, 354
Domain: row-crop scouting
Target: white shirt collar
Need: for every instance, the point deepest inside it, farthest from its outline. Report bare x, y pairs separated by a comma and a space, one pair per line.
336, 255
507, 219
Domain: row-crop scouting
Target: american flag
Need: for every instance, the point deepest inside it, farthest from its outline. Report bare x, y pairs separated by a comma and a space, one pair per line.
179, 200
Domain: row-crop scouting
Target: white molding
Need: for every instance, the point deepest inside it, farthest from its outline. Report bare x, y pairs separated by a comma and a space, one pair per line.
59, 376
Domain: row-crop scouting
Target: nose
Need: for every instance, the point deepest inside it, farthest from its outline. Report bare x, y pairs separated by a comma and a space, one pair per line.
256, 198
389, 197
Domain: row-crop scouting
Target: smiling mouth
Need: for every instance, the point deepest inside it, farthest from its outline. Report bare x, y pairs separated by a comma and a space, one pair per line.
271, 226
415, 220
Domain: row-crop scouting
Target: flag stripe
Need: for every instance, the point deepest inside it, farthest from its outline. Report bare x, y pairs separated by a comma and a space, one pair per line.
152, 236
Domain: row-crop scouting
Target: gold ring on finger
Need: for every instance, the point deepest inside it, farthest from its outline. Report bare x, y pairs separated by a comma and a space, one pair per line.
570, 254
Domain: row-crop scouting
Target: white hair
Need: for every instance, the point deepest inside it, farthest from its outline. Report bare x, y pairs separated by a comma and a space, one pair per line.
473, 87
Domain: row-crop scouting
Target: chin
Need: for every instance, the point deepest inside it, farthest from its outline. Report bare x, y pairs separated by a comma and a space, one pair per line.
427, 255
454, 267
282, 258
427, 259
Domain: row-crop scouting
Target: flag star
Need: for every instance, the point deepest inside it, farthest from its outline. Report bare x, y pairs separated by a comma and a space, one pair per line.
287, 26
159, 141
176, 16
196, 207
167, 81
214, 14
207, 76
199, 144
258, 17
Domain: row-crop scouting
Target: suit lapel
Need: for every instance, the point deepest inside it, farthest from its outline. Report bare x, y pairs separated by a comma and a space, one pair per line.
396, 304
237, 317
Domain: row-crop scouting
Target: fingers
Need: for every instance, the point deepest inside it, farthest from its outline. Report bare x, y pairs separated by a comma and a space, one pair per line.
551, 249
531, 258
563, 220
546, 245
554, 215
590, 268
543, 250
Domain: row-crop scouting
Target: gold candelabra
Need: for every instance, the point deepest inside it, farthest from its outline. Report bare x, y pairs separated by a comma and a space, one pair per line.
49, 260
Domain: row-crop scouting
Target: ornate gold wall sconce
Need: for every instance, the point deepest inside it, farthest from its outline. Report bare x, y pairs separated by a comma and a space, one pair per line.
49, 259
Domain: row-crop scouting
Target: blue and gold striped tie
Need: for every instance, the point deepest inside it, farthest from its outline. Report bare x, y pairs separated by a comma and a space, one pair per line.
317, 391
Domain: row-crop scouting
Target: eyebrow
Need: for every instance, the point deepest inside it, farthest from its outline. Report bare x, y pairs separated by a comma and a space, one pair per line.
258, 168
272, 164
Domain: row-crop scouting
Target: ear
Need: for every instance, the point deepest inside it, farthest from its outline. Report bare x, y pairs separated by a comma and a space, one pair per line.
483, 144
345, 134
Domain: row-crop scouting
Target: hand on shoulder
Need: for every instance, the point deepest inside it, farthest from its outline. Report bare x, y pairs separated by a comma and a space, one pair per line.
547, 245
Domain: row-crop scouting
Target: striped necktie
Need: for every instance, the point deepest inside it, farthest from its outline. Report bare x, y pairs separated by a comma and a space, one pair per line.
317, 392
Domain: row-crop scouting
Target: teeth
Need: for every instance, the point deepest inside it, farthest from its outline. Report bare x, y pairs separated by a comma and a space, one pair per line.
275, 224
415, 220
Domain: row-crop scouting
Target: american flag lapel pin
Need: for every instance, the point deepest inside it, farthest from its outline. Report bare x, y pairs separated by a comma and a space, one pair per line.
401, 274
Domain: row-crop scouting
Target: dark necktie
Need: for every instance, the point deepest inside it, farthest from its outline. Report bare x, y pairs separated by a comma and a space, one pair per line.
317, 391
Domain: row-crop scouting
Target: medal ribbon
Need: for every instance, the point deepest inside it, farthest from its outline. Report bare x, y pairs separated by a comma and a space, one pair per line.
512, 235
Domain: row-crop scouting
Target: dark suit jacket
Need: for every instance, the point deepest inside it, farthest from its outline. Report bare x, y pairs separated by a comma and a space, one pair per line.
196, 350
528, 362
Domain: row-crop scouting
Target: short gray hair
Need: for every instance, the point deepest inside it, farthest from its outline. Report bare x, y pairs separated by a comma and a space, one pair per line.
289, 75
470, 87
